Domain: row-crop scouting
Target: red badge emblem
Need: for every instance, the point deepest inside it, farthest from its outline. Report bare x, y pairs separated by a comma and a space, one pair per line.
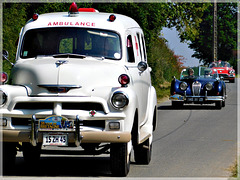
92, 113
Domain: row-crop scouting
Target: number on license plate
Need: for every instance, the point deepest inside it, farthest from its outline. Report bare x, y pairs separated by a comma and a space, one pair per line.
55, 139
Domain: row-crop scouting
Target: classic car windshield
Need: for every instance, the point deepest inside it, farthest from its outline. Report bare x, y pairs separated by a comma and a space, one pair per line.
219, 64
88, 42
198, 72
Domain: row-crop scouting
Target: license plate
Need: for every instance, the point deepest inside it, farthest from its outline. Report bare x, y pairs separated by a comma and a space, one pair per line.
56, 123
195, 99
55, 139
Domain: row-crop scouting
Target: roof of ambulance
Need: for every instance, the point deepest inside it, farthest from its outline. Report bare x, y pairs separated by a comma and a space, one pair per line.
83, 19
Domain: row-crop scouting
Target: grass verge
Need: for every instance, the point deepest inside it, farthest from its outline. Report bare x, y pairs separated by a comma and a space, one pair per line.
163, 91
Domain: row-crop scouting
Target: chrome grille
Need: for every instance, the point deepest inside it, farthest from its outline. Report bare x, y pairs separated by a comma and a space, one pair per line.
65, 106
196, 87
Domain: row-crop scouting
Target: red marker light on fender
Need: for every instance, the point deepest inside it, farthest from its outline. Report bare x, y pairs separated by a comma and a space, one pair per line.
124, 80
3, 78
112, 18
35, 16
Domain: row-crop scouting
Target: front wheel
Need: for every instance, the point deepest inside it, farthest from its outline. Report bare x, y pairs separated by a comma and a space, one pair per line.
219, 104
119, 159
9, 152
143, 152
31, 153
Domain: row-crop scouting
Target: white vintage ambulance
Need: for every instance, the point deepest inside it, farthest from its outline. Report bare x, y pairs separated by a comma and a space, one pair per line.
80, 80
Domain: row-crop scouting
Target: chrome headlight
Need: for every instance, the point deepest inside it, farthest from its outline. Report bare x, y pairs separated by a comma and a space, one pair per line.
119, 100
3, 97
231, 71
183, 86
208, 86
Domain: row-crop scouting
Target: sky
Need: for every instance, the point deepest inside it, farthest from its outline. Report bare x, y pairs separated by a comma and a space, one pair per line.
179, 48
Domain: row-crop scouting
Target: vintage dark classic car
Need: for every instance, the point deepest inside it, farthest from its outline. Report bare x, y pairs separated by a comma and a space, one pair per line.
198, 85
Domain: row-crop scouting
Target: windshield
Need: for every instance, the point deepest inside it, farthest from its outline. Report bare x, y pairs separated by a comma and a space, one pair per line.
219, 64
199, 72
89, 42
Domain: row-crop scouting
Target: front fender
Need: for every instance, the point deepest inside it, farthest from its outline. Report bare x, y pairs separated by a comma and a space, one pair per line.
12, 92
220, 87
129, 110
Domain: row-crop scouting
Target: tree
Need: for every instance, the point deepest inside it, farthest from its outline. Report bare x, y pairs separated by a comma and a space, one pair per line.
226, 34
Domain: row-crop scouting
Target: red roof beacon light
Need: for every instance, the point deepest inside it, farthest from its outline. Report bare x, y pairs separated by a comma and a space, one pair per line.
73, 9
35, 16
124, 80
112, 18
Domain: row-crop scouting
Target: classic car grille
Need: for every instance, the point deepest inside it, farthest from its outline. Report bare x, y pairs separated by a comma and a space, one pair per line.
196, 87
27, 122
65, 105
223, 75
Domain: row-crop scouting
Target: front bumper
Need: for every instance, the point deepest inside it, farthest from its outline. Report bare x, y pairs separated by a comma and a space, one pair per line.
87, 137
95, 129
227, 76
196, 99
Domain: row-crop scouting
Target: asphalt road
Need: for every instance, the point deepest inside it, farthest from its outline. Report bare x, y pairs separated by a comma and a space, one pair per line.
195, 141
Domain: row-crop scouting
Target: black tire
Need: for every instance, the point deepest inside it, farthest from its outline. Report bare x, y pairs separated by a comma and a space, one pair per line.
143, 153
219, 104
9, 152
31, 153
223, 103
119, 159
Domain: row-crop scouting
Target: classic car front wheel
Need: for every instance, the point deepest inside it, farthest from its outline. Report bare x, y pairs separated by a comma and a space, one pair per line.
9, 153
31, 153
119, 159
143, 152
219, 104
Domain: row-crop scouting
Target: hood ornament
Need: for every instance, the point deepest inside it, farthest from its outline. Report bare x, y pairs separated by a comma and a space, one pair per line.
60, 62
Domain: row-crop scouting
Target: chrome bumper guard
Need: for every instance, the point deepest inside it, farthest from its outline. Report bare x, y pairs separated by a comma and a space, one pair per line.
34, 131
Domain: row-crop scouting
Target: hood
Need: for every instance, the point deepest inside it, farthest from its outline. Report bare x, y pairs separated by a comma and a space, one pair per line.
66, 76
222, 68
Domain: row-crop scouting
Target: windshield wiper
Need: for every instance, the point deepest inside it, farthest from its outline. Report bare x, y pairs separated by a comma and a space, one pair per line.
69, 55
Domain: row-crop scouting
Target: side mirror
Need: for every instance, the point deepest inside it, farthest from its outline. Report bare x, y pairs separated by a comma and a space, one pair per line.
142, 66
5, 56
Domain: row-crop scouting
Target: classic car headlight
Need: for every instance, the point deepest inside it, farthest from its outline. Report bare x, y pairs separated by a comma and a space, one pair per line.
119, 100
231, 71
3, 97
183, 86
208, 86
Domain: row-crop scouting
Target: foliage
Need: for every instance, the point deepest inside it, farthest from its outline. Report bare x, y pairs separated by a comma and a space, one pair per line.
186, 17
164, 64
226, 34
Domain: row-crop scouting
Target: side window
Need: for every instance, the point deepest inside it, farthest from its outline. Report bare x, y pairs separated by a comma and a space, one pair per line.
140, 45
130, 53
144, 49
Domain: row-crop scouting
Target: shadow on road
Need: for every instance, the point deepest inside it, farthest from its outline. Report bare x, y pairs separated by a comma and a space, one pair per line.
63, 166
188, 107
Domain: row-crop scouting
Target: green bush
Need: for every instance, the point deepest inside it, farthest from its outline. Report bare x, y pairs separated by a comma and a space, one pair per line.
164, 66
